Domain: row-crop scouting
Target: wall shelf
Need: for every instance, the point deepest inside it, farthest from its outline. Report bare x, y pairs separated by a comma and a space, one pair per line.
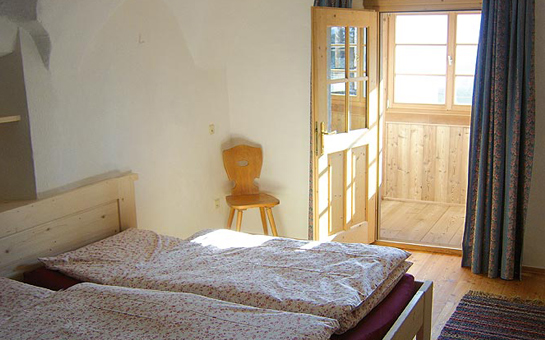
9, 119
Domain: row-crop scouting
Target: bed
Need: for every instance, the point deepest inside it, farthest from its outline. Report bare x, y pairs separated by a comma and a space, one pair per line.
91, 311
69, 220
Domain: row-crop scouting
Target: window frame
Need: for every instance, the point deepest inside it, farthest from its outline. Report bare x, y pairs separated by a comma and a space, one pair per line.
442, 112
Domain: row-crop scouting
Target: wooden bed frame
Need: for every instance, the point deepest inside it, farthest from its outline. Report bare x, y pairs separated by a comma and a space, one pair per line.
72, 219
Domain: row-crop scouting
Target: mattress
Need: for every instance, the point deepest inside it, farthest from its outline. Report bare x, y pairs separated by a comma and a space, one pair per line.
334, 280
91, 311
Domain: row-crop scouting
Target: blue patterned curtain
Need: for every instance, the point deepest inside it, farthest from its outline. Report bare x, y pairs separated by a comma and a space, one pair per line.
333, 3
501, 140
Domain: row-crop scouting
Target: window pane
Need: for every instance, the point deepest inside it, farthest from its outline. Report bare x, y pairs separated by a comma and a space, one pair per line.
336, 62
353, 38
467, 28
337, 108
336, 57
421, 59
337, 88
364, 52
463, 88
420, 89
466, 58
353, 89
336, 35
334, 74
421, 29
353, 61
357, 109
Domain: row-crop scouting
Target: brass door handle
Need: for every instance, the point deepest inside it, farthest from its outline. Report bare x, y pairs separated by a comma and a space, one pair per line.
320, 133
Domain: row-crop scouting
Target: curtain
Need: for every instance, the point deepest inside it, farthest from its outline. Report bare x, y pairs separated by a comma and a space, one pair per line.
333, 3
501, 140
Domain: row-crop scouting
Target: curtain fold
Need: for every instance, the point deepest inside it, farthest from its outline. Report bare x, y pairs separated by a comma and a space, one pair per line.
501, 140
333, 3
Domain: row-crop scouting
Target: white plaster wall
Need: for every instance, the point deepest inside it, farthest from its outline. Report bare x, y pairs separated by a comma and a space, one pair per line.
268, 74
134, 84
123, 92
534, 240
261, 50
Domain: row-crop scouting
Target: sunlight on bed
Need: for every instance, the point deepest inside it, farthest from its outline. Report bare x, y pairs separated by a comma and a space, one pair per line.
225, 239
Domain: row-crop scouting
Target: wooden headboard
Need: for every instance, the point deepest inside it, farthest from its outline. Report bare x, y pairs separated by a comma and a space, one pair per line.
64, 222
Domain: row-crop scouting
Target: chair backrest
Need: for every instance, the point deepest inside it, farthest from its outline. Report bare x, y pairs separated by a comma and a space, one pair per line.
243, 165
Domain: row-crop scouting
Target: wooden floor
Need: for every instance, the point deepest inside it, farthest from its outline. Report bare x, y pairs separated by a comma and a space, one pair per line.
435, 224
451, 282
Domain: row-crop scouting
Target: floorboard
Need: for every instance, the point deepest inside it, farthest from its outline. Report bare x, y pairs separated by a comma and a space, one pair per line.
451, 282
422, 223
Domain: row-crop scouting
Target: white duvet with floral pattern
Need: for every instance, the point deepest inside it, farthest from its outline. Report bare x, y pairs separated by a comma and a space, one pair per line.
334, 280
91, 311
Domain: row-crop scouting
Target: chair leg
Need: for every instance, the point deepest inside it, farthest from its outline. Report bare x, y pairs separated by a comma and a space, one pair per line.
271, 221
230, 220
264, 220
239, 219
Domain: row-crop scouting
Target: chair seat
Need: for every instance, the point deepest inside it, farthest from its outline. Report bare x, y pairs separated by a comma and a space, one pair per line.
241, 202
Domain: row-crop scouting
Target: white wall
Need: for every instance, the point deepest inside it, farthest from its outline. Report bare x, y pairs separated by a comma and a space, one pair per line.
534, 240
134, 84
124, 92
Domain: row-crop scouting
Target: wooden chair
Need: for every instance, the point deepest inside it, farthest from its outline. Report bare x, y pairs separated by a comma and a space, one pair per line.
243, 165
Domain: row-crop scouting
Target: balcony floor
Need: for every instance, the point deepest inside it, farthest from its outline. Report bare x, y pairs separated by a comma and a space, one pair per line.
434, 224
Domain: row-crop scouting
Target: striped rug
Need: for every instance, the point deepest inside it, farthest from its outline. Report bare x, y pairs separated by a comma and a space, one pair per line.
484, 316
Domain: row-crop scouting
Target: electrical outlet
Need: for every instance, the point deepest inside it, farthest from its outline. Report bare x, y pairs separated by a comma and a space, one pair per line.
217, 203
211, 129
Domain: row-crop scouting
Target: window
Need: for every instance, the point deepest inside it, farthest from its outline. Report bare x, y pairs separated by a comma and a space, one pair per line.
431, 62
347, 73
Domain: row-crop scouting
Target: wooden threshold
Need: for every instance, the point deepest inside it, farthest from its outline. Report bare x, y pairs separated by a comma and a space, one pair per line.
419, 247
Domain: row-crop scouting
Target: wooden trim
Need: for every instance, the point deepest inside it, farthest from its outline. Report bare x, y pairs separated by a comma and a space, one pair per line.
421, 201
533, 270
415, 320
64, 222
419, 247
422, 5
428, 119
9, 119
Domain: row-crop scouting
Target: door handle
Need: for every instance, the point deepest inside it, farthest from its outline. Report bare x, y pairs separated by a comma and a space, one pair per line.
320, 133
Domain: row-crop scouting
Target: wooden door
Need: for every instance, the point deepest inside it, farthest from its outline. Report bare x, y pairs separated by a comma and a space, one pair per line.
345, 114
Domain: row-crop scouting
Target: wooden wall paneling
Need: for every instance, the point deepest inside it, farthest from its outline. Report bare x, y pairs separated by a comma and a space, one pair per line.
464, 172
403, 181
442, 161
455, 165
428, 164
390, 173
336, 185
416, 158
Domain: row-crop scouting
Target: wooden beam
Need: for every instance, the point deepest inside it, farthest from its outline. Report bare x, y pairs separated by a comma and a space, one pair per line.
422, 5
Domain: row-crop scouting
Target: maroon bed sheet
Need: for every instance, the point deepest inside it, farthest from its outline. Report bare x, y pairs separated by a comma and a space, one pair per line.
373, 327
